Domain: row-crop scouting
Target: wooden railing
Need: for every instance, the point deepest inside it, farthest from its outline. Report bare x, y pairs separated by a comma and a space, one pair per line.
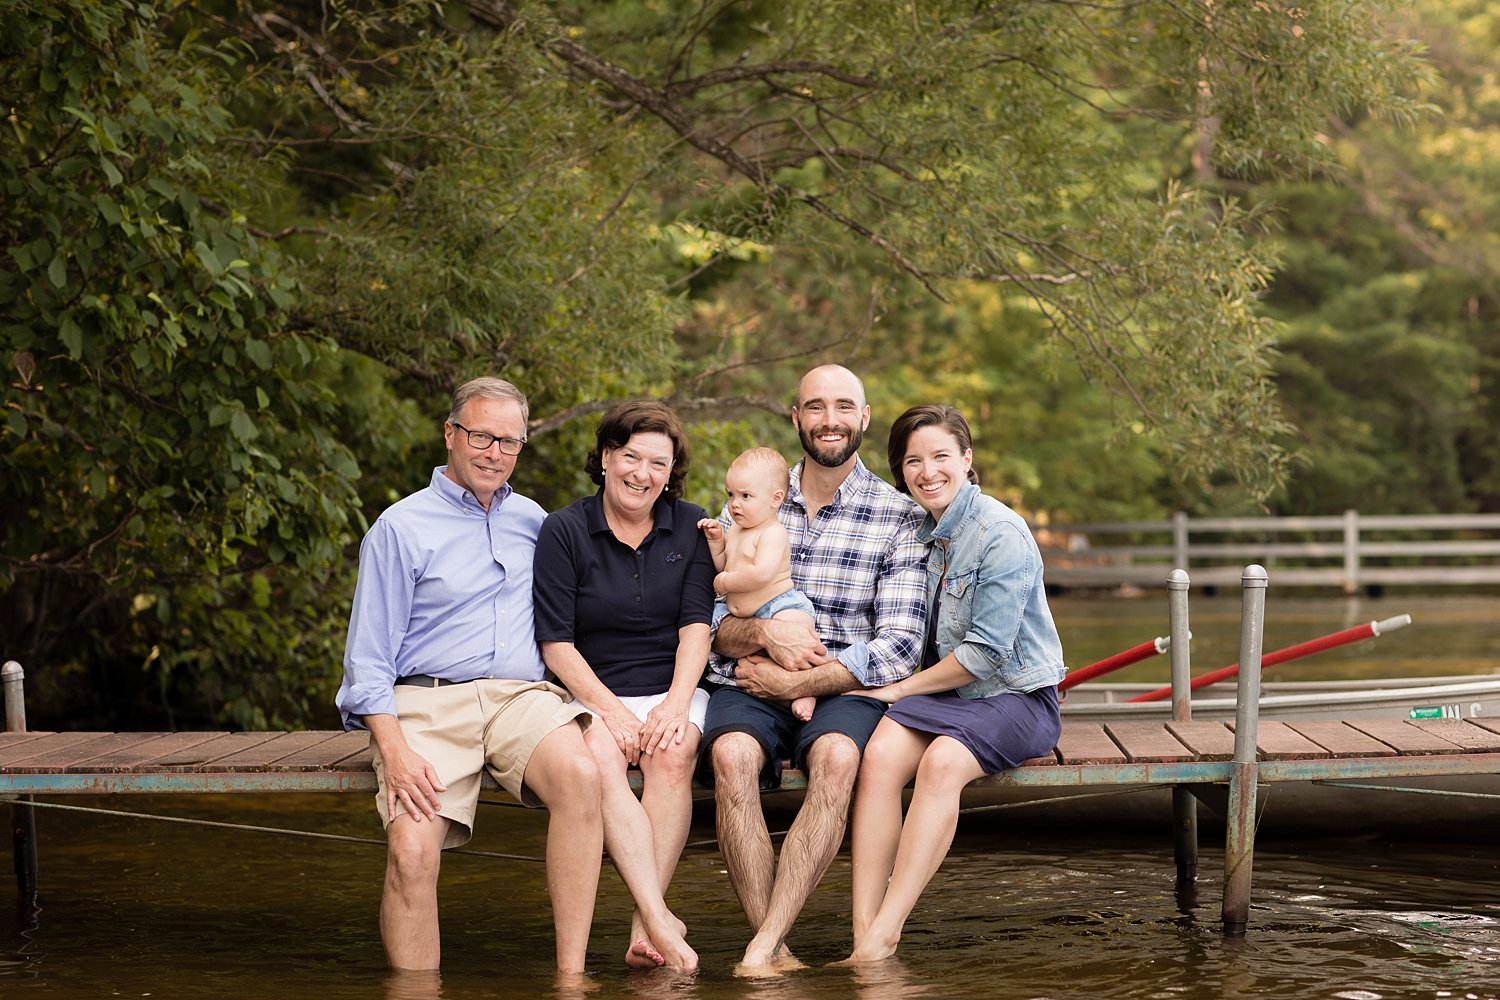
1351, 551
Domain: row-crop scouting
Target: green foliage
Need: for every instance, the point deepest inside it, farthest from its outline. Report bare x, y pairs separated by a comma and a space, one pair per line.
251, 246
167, 441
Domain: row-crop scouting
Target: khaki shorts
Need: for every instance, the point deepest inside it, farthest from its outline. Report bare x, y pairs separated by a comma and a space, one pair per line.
465, 729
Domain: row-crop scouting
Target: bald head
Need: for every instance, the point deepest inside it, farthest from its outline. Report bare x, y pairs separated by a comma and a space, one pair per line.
831, 415
831, 382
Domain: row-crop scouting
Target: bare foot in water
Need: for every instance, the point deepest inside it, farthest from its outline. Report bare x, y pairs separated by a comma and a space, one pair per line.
668, 947
758, 963
642, 956
870, 949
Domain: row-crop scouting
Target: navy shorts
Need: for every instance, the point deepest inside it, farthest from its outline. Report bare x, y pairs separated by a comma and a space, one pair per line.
781, 734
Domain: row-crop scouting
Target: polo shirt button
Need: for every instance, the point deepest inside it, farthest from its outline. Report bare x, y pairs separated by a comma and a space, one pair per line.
637, 598
635, 576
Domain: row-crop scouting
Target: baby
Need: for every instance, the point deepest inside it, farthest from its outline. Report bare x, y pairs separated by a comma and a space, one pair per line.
754, 557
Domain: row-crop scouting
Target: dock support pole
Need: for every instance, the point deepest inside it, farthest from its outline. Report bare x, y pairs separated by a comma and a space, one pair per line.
1239, 838
23, 817
1184, 804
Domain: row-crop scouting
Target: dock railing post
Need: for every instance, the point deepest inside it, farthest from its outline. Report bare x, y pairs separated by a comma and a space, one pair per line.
1184, 803
1180, 539
1351, 552
23, 817
1239, 837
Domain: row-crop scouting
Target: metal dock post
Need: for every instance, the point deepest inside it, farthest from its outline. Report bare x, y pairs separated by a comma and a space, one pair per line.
1184, 803
23, 817
1239, 838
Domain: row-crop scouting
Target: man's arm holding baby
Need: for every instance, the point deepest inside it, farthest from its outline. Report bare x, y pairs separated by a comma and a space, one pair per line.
780, 659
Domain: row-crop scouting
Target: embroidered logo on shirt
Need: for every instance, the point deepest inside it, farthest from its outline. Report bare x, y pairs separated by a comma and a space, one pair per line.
673, 556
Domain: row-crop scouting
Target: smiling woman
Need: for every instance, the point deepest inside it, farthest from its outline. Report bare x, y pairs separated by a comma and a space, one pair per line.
986, 697
624, 593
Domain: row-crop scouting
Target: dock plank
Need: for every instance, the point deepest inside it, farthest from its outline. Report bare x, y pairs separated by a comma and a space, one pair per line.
1460, 733
1492, 725
1088, 743
1278, 741
269, 756
332, 754
140, 755
201, 755
1148, 742
1339, 739
1407, 739
234, 751
1209, 740
54, 753
9, 741
18, 750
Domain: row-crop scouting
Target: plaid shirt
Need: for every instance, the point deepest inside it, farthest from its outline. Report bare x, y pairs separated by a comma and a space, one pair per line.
860, 564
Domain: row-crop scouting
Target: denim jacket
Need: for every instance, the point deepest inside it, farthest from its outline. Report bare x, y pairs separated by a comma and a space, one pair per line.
993, 615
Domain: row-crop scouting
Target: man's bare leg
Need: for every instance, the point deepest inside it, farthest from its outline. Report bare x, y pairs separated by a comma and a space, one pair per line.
628, 835
946, 768
565, 777
744, 839
890, 762
408, 903
811, 843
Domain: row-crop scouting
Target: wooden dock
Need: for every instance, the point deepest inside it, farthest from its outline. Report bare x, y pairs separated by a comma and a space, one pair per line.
1219, 763
1088, 756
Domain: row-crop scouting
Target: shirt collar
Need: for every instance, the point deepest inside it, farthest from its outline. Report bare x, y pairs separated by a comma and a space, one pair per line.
952, 517
461, 498
662, 514
855, 482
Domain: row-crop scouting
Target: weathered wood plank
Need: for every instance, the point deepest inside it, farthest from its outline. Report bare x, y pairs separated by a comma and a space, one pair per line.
1405, 738
1148, 742
1460, 733
1088, 743
1492, 725
61, 751
139, 755
1048, 761
332, 754
1339, 739
233, 749
269, 756
1209, 740
1276, 741
24, 750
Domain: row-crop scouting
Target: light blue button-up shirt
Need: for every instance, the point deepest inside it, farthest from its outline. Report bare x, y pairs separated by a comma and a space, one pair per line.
992, 612
444, 589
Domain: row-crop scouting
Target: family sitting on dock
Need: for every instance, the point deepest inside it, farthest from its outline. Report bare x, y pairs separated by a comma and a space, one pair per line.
849, 624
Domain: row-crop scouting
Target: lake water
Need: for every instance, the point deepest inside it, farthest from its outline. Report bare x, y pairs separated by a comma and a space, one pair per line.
140, 908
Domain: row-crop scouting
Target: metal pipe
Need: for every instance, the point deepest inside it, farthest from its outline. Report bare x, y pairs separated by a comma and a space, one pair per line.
1369, 630
11, 678
1184, 803
1124, 658
23, 817
1239, 837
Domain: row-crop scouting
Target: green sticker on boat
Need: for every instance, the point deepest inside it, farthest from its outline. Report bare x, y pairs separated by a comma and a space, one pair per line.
1434, 712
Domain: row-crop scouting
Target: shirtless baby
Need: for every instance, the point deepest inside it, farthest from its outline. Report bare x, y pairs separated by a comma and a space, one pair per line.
754, 556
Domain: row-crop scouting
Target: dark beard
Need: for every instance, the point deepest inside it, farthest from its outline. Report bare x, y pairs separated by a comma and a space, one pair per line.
815, 450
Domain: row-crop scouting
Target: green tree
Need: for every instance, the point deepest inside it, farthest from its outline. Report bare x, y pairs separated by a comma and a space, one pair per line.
250, 245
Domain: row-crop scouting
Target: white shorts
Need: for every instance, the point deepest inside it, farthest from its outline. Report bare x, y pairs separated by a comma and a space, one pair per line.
641, 704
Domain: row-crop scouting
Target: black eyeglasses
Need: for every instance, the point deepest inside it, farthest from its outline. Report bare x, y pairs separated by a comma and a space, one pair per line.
481, 440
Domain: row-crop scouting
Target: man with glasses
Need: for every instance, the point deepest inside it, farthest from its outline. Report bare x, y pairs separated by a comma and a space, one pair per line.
442, 667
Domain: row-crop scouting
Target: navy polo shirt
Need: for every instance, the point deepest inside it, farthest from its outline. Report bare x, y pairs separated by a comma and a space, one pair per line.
621, 607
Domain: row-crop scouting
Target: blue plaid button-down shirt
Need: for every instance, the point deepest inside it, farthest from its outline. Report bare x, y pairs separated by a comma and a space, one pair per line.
861, 565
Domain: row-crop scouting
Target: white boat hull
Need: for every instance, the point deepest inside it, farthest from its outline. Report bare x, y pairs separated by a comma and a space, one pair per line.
1451, 697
